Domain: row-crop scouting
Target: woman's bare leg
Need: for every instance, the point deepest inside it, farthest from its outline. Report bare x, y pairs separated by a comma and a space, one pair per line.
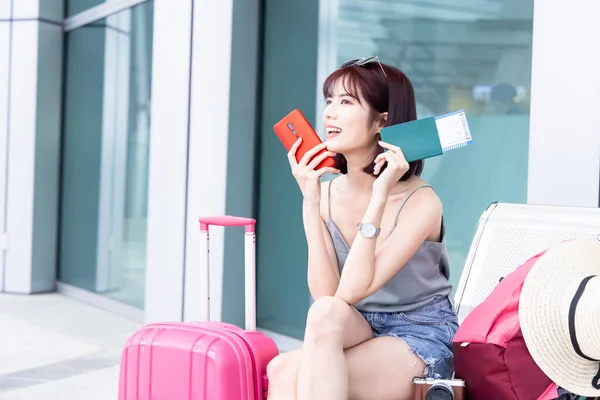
381, 369
330, 321
282, 373
331, 326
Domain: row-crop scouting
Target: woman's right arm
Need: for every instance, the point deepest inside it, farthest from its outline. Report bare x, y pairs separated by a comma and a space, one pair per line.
323, 274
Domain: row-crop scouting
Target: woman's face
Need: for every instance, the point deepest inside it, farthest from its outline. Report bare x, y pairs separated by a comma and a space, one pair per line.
349, 124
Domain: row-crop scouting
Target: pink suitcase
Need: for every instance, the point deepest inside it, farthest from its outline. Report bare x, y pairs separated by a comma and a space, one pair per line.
201, 360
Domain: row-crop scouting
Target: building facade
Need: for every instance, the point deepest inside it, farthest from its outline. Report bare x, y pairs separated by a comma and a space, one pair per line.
123, 121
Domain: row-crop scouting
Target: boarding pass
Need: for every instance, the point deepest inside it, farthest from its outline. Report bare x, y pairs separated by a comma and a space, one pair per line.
453, 130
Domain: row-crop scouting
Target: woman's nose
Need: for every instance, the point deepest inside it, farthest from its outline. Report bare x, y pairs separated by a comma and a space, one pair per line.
330, 112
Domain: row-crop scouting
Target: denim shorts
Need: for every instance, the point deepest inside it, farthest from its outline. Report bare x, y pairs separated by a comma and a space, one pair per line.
428, 331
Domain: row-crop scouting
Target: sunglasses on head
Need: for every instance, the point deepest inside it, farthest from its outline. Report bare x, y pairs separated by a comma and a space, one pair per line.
362, 61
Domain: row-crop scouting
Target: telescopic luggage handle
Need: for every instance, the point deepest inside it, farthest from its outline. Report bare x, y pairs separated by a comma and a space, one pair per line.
249, 262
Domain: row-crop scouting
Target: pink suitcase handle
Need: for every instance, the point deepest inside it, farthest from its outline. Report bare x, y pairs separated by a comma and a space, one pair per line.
227, 220
249, 263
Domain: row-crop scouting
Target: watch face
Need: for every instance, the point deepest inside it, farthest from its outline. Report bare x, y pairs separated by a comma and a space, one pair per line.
369, 230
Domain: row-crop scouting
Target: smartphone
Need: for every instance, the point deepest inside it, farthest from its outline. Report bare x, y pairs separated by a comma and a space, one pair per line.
295, 125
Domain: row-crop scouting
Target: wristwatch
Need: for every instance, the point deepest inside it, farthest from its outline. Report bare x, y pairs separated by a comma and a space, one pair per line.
368, 230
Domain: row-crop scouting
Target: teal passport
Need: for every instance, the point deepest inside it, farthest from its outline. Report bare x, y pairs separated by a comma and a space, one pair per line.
418, 139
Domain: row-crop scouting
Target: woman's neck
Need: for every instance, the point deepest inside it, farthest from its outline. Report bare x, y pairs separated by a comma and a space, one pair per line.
357, 179
361, 183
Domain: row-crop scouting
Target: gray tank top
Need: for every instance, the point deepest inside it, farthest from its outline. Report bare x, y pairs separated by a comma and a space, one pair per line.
422, 278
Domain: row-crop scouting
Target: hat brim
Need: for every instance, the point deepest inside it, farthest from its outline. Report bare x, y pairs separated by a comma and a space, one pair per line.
543, 313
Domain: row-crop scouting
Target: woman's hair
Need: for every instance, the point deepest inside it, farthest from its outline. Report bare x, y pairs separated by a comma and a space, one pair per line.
392, 93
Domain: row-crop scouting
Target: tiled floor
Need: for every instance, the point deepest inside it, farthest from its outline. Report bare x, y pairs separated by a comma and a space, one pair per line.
56, 348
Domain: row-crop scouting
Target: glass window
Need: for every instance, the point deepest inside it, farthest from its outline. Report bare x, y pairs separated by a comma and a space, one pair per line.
474, 56
76, 6
106, 131
289, 77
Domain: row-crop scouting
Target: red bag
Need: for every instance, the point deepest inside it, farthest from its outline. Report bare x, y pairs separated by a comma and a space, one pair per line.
489, 350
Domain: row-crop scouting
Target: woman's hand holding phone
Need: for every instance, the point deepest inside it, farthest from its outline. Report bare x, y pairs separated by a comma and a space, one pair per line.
304, 171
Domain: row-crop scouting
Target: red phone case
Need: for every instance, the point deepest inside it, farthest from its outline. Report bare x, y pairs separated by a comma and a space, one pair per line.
296, 125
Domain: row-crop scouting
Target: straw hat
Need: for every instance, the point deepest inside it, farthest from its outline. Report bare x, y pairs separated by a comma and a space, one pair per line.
559, 312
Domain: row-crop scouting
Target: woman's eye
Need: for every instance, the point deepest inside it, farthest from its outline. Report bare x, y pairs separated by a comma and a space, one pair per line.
345, 101
328, 102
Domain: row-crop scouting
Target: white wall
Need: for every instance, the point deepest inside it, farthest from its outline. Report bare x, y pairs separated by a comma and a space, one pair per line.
564, 144
209, 134
167, 192
30, 98
5, 41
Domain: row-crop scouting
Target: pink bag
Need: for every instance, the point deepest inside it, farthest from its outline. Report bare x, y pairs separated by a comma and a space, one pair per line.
490, 353
201, 360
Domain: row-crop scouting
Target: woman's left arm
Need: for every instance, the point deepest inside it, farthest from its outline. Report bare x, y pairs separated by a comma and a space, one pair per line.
367, 269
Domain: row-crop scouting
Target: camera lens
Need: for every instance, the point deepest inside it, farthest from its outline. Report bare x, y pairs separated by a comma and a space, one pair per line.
440, 391
290, 126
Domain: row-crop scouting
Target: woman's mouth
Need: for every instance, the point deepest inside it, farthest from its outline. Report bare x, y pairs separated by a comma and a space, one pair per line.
332, 131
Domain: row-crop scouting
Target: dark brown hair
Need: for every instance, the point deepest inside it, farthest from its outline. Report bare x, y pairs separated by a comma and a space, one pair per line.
393, 94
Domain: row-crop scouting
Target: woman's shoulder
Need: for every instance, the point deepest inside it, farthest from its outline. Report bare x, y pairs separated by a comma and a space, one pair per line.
326, 185
325, 192
420, 204
418, 194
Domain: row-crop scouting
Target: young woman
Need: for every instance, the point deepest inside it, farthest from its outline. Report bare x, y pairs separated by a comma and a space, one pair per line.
377, 264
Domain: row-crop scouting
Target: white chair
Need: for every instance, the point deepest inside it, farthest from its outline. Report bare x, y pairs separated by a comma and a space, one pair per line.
508, 235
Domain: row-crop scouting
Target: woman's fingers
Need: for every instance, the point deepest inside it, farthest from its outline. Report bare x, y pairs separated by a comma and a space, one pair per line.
309, 154
395, 155
292, 152
380, 161
390, 146
318, 159
379, 158
327, 170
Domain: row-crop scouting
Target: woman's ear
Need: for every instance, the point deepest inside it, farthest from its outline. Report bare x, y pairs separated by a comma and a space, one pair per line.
383, 120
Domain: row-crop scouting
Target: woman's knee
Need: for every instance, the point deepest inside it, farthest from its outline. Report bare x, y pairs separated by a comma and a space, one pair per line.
327, 317
282, 370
